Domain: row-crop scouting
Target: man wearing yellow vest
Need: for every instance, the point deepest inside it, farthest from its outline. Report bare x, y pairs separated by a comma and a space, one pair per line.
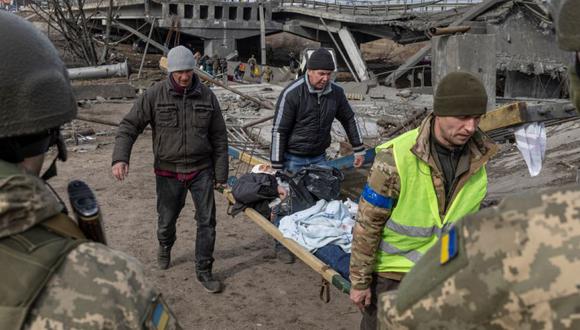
420, 183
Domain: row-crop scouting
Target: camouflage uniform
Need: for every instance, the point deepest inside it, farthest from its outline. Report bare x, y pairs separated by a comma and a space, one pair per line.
95, 287
384, 179
516, 267
52, 277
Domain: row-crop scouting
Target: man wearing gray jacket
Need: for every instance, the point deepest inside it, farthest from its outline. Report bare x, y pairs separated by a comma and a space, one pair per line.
190, 153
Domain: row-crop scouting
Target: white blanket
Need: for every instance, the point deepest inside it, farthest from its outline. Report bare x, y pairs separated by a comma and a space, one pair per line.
322, 224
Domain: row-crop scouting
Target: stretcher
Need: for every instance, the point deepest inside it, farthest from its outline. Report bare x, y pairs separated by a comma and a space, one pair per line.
329, 275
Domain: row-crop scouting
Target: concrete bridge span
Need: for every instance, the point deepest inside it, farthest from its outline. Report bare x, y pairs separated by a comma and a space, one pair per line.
226, 26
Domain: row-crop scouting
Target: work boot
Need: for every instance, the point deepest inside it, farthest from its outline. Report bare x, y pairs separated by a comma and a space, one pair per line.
284, 255
164, 256
209, 283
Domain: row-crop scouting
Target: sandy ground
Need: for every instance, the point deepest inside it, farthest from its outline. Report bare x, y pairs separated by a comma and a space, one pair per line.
260, 292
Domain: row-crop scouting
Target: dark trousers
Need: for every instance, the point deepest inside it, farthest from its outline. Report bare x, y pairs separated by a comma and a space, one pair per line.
378, 286
171, 194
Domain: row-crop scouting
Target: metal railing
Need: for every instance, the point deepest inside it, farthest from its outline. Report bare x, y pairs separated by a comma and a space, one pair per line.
380, 7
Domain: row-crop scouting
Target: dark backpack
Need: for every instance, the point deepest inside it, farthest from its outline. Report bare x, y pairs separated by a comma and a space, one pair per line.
312, 184
254, 190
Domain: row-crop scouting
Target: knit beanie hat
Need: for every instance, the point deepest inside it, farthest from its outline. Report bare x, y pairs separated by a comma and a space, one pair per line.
460, 94
321, 59
180, 59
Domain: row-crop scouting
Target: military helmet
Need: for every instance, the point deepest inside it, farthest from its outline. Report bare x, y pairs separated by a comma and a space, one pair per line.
35, 92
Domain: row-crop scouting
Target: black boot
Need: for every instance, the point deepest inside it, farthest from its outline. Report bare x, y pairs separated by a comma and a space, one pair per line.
164, 256
209, 283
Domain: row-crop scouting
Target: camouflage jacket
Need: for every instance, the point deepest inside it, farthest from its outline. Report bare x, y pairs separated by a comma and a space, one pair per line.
384, 179
95, 287
516, 268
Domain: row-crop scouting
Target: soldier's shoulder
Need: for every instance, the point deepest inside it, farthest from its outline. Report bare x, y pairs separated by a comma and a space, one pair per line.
385, 161
527, 246
384, 154
24, 202
95, 287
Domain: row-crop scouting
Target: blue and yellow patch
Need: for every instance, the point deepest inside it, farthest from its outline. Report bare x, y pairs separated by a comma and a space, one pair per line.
449, 246
375, 199
160, 317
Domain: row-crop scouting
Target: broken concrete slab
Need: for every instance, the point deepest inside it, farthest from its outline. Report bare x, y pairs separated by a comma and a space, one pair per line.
112, 91
473, 53
354, 87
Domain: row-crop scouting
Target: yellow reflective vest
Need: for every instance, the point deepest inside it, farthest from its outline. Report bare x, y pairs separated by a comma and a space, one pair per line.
415, 224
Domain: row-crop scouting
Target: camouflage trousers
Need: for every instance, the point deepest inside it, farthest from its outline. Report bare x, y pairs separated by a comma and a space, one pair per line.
378, 286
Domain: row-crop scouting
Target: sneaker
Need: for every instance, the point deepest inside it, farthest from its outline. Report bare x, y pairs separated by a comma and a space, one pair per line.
164, 256
285, 256
209, 283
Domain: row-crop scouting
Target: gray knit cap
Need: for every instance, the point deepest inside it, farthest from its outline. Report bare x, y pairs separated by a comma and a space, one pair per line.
180, 59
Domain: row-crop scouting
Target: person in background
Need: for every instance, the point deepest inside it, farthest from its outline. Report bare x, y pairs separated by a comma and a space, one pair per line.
190, 150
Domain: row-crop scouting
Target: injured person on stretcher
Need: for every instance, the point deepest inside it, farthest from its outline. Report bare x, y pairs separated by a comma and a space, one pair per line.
304, 207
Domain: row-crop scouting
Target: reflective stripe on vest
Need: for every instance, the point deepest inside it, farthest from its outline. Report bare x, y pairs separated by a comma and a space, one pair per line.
415, 224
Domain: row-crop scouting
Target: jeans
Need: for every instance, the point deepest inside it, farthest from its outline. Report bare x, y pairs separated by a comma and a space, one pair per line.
330, 254
294, 163
171, 194
336, 258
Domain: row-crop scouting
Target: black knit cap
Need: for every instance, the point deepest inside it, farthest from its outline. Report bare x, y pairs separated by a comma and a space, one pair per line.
321, 59
460, 94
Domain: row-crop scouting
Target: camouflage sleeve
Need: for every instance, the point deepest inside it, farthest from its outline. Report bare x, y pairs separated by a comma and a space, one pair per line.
377, 200
100, 288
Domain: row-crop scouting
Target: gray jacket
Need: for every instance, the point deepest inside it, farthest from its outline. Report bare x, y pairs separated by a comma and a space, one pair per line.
189, 131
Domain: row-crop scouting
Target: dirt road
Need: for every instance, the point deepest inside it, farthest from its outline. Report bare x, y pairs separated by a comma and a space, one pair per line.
260, 292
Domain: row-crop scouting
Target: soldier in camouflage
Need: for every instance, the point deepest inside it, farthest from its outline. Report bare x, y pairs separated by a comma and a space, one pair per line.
52, 277
420, 183
516, 266
513, 266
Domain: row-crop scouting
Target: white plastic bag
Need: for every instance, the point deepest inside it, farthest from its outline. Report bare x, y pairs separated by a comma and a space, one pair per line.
531, 141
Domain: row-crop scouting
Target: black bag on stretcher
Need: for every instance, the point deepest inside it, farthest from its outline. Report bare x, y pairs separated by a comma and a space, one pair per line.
310, 185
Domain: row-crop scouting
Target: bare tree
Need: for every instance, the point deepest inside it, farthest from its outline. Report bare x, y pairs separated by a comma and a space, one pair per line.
68, 18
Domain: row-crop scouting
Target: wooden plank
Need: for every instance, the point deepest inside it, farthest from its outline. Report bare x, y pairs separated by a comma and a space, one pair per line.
504, 116
525, 112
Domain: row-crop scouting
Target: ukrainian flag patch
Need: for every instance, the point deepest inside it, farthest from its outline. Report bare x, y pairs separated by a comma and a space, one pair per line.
449, 247
160, 317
